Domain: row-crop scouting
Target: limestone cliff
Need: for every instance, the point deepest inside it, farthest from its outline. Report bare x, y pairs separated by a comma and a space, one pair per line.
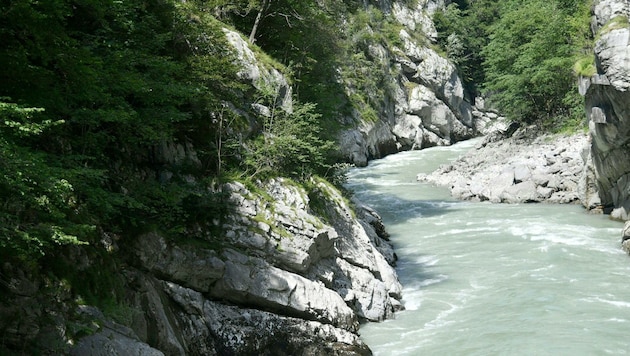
285, 281
426, 104
288, 269
608, 105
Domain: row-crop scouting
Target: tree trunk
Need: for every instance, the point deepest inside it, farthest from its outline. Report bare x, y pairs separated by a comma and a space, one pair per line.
263, 8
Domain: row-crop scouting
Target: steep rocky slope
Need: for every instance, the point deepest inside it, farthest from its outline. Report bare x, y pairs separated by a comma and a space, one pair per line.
289, 269
283, 279
286, 270
607, 98
426, 105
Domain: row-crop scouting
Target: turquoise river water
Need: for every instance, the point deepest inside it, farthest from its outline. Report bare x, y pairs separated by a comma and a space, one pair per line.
494, 279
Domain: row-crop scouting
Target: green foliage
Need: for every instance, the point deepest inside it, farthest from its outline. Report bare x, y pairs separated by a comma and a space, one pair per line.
368, 78
521, 53
37, 201
529, 61
98, 283
117, 81
289, 144
463, 31
585, 66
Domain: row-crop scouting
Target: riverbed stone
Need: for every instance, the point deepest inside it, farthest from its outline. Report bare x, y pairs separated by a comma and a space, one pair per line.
517, 169
522, 173
521, 192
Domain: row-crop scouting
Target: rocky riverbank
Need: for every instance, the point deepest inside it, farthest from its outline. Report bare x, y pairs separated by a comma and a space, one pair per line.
522, 168
294, 272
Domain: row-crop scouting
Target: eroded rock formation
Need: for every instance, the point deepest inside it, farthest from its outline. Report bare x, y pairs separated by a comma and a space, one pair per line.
427, 105
607, 97
288, 281
285, 271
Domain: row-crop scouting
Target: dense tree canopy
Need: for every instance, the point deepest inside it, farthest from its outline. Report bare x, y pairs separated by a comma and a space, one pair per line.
520, 54
91, 90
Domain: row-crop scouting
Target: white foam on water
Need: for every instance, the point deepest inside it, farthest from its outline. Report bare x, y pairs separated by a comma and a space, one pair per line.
412, 299
479, 273
616, 303
617, 320
428, 260
380, 182
430, 281
442, 318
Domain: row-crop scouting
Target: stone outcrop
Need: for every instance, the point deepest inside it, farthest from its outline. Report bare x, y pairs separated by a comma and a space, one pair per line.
427, 106
262, 77
287, 281
607, 96
522, 168
625, 237
287, 272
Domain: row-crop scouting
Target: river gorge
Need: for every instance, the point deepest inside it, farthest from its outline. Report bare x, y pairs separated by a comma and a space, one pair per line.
169, 175
483, 278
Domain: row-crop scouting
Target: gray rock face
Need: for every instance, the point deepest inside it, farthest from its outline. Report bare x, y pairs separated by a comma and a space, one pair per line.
427, 106
219, 329
607, 99
418, 18
519, 169
288, 281
254, 71
111, 339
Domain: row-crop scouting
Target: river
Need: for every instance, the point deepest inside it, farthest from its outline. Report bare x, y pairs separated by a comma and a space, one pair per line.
494, 279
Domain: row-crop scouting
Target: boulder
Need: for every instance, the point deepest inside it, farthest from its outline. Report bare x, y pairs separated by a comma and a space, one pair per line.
625, 237
112, 339
191, 266
107, 342
253, 281
521, 192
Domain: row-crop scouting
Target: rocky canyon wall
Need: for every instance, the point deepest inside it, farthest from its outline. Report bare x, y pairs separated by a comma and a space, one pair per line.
286, 281
607, 98
291, 271
286, 271
426, 105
